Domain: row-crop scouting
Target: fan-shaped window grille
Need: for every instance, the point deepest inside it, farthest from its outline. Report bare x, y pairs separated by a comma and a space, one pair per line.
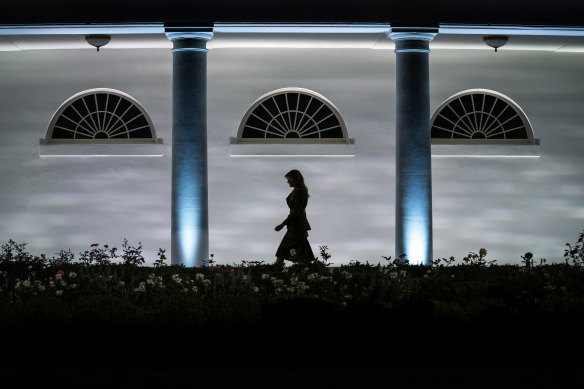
292, 115
101, 116
480, 116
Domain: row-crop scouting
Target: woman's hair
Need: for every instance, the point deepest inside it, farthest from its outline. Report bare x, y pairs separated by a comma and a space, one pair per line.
297, 180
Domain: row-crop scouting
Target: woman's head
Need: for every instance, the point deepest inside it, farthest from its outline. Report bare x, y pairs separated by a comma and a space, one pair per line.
296, 179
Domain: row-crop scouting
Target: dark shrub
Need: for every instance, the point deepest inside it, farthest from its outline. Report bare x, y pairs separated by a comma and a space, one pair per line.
168, 311
104, 311
36, 313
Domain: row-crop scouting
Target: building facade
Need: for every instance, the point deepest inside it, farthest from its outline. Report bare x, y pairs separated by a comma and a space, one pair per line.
381, 188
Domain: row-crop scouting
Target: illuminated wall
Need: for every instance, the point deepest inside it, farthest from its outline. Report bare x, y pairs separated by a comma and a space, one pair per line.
507, 204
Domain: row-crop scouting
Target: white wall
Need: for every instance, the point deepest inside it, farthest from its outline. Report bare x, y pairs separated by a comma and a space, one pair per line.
507, 205
514, 205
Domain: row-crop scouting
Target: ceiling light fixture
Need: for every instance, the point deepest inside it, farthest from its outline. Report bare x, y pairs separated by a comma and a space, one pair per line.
97, 40
495, 41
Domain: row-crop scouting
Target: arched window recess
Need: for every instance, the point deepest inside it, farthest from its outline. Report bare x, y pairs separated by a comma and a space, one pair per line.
292, 115
101, 122
482, 123
292, 122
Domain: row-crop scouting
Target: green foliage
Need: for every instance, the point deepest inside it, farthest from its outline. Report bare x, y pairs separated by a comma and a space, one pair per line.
103, 286
97, 311
574, 254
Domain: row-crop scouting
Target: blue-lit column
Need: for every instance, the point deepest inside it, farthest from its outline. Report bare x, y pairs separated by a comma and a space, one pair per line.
190, 220
413, 209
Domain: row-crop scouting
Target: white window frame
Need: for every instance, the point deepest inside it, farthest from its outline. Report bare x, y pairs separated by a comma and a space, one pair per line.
530, 140
49, 140
314, 95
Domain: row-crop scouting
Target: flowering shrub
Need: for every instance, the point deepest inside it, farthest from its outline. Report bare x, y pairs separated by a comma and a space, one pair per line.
464, 290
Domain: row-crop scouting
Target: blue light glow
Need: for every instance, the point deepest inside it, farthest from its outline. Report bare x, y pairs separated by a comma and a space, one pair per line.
418, 241
187, 237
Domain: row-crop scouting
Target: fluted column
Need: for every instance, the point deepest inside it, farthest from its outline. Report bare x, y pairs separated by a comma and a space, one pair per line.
190, 220
413, 209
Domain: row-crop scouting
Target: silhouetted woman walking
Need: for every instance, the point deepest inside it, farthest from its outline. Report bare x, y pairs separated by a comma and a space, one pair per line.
294, 245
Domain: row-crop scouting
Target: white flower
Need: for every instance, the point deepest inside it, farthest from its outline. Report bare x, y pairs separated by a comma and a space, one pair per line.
200, 277
256, 289
292, 252
59, 292
265, 276
155, 281
122, 283
72, 275
141, 287
302, 287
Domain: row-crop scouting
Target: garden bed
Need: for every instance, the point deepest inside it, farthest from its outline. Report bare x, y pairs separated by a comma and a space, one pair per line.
104, 306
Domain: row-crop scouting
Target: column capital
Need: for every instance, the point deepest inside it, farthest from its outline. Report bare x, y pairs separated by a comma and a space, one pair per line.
412, 39
189, 38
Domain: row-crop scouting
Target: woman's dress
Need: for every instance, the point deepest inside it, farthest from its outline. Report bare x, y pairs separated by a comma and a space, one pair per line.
294, 245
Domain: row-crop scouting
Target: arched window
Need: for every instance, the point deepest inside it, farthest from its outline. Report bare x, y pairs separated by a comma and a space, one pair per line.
292, 115
101, 116
480, 116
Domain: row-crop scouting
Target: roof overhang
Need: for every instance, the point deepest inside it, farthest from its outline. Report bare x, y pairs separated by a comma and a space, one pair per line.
288, 35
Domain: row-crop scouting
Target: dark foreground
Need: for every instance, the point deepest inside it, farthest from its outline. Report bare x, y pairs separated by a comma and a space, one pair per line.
488, 375
299, 354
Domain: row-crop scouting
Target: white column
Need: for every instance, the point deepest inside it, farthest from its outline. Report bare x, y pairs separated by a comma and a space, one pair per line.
189, 207
413, 208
